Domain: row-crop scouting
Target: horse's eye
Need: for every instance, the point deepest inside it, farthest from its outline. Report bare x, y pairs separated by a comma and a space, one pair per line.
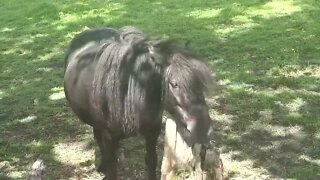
174, 84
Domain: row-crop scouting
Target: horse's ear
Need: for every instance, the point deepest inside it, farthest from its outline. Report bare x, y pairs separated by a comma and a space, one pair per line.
161, 46
141, 44
160, 50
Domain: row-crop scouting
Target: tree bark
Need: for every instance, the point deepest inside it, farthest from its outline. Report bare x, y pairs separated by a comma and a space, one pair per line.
183, 162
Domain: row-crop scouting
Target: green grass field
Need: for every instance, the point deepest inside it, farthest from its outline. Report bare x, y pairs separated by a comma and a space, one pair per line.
265, 53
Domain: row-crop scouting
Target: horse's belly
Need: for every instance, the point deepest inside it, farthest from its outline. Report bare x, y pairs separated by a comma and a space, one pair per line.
78, 85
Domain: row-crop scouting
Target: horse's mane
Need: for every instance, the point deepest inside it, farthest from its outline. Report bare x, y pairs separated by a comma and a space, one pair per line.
116, 61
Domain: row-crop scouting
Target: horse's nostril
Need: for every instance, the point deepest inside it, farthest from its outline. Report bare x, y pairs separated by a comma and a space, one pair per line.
191, 125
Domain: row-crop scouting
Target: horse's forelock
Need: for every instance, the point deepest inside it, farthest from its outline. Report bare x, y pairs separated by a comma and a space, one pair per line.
191, 73
203, 73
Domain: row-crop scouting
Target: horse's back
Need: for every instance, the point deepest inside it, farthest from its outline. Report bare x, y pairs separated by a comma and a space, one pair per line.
91, 35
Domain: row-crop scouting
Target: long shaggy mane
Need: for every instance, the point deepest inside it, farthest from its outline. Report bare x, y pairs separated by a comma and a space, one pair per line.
111, 79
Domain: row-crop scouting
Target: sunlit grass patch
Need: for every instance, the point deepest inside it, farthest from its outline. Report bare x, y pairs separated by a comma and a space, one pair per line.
6, 29
73, 153
234, 29
56, 51
27, 119
246, 167
2, 94
275, 8
295, 105
245, 19
209, 13
296, 71
73, 17
58, 93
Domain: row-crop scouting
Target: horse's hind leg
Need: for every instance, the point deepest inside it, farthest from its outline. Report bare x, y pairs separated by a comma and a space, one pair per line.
151, 154
108, 148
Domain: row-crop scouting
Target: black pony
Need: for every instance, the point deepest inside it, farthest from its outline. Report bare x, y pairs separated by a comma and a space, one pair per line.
120, 81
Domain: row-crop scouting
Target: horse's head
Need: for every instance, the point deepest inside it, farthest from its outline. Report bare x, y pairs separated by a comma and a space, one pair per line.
185, 81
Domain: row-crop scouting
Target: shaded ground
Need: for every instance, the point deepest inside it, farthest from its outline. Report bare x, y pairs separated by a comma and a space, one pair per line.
265, 54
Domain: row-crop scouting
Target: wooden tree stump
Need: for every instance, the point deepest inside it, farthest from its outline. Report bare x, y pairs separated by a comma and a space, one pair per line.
183, 162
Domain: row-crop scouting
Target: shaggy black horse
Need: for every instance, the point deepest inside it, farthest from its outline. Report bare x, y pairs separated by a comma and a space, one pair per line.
120, 82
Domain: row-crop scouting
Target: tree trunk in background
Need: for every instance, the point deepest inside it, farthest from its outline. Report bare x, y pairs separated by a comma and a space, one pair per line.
183, 162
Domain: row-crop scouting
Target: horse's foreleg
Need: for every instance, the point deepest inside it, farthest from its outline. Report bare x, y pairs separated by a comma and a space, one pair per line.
108, 148
151, 154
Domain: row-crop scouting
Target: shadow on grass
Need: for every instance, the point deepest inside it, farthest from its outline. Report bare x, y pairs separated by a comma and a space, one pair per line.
265, 53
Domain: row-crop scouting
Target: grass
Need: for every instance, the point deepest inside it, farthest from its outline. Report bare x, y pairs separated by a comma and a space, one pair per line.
265, 53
